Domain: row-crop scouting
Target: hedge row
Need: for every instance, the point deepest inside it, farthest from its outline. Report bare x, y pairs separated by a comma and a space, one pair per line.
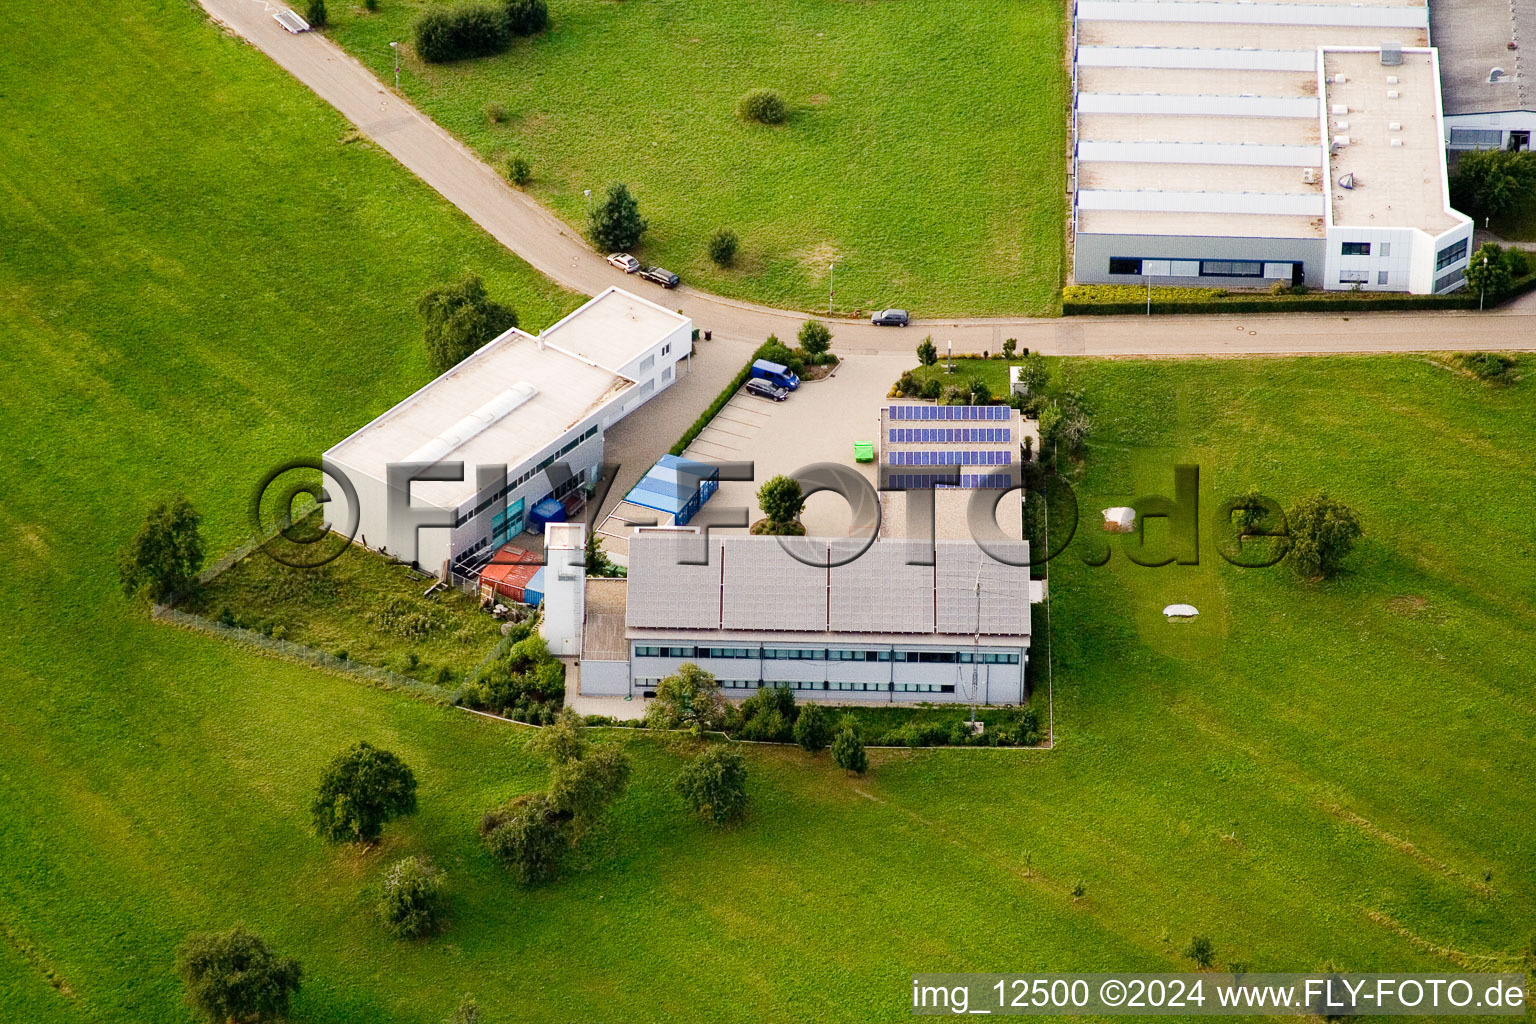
718, 404
1320, 302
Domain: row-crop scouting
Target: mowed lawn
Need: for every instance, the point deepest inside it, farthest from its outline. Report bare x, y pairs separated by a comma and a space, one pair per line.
923, 157
201, 278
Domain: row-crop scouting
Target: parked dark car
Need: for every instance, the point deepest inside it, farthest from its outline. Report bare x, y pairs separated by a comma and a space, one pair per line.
661, 276
891, 318
762, 389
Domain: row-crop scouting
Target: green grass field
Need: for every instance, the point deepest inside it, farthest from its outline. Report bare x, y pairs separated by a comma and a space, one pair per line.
201, 279
924, 154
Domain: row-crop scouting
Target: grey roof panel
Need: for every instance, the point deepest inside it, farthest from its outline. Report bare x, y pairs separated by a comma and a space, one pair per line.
663, 592
765, 588
879, 592
1004, 599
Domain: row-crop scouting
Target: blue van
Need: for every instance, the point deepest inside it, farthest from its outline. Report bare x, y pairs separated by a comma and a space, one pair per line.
775, 373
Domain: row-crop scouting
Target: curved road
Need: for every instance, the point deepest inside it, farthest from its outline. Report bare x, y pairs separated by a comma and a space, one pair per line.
552, 247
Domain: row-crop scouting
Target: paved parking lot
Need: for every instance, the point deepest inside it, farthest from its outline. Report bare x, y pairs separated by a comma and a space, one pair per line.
818, 423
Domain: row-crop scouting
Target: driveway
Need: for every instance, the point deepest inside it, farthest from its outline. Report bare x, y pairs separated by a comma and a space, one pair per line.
556, 249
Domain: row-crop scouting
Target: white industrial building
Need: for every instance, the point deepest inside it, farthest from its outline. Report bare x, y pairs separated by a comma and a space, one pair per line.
521, 401
1236, 144
1486, 54
876, 629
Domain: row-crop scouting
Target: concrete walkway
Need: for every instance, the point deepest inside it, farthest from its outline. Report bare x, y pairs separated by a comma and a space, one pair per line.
556, 250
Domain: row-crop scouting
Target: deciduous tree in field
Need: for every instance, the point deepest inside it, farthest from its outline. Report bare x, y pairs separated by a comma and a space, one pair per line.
615, 224
235, 976
165, 556
690, 698
813, 728
1323, 533
722, 247
714, 785
410, 898
1201, 950
363, 787
460, 317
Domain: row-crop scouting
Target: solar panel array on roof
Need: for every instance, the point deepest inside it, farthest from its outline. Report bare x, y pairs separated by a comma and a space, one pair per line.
667, 594
880, 593
949, 435
950, 412
767, 589
1004, 602
954, 457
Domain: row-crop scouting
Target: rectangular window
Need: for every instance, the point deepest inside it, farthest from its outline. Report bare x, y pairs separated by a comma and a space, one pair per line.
647, 363
1231, 268
1450, 254
1450, 280
1354, 276
1477, 138
1122, 265
1356, 249
1381, 277
1385, 250
666, 349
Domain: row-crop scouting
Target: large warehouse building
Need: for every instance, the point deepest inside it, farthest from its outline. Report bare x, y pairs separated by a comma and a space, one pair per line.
1237, 144
521, 401
1486, 69
875, 629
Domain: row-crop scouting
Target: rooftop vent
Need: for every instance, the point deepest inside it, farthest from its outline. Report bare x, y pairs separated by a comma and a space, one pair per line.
1340, 108
1342, 126
1340, 141
1396, 142
1391, 79
1391, 54
1394, 126
1309, 175
1496, 75
1347, 182
1391, 94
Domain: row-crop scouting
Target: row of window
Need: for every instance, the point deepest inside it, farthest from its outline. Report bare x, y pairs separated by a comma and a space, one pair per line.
928, 481
950, 435
649, 685
1450, 254
1362, 277
1208, 268
1364, 249
1453, 278
512, 485
825, 654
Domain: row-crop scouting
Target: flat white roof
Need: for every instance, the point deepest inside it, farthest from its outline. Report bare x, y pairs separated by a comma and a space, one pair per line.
1203, 11
1396, 151
1473, 37
1189, 57
613, 329
1242, 153
512, 398
1156, 201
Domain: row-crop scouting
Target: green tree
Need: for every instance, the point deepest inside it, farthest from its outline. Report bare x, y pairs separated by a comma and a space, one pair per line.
1034, 374
763, 106
1494, 182
460, 317
362, 788
1488, 272
815, 338
848, 747
235, 976
527, 17
926, 353
410, 898
562, 740
1009, 347
1201, 950
165, 556
782, 501
528, 836
690, 698
615, 224
316, 15
775, 351
981, 393
518, 170
813, 728
722, 247
581, 789
1323, 533
714, 785
598, 563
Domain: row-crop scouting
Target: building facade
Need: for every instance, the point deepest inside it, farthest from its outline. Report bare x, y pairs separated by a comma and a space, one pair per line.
537, 406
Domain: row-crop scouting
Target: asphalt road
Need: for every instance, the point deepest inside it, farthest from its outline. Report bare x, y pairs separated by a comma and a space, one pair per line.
557, 251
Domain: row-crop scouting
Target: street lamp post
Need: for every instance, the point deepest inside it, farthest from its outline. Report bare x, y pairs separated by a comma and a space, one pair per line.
831, 290
396, 47
1482, 288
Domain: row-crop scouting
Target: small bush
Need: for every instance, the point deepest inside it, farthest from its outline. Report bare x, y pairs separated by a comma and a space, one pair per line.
1489, 366
527, 836
848, 748
496, 113
518, 170
722, 247
1201, 950
763, 106
813, 728
316, 14
410, 898
932, 389
456, 33
527, 17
